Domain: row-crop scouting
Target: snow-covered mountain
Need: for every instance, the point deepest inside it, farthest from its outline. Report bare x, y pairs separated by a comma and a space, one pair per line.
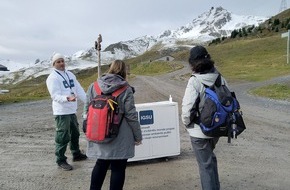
20, 71
216, 22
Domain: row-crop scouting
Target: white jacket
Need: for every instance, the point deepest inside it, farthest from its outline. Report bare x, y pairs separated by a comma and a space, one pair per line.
195, 87
59, 92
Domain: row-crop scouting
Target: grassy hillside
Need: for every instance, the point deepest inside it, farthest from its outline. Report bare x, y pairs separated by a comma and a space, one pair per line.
252, 59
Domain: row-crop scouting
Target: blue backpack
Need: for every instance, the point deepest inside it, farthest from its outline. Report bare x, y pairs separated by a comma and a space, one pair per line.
220, 114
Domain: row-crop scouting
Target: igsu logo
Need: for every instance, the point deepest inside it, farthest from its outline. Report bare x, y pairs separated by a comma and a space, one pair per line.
146, 117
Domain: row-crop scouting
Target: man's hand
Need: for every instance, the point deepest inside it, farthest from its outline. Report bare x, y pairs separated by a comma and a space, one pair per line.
138, 143
71, 98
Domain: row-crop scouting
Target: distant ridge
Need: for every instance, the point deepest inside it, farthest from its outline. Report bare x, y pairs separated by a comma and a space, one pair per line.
216, 22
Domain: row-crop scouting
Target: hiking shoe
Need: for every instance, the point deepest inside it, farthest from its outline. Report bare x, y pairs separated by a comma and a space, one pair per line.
79, 157
65, 166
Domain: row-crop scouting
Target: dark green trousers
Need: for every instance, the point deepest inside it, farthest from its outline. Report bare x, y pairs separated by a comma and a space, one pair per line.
67, 130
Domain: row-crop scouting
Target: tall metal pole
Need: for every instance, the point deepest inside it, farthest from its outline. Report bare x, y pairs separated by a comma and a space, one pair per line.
98, 48
288, 42
284, 35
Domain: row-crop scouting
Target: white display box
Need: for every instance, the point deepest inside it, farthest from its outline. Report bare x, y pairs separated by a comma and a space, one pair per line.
160, 130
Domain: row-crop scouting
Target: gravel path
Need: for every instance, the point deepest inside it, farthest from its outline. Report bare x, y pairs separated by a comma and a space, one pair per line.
259, 159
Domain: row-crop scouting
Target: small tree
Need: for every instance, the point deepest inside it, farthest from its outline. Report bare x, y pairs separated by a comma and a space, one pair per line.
283, 25
240, 33
234, 33
276, 22
218, 40
287, 21
244, 32
250, 29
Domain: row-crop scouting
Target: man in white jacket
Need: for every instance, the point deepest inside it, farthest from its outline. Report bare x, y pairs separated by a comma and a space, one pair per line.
65, 90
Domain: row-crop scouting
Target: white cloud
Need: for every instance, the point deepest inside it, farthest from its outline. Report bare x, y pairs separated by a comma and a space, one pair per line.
34, 29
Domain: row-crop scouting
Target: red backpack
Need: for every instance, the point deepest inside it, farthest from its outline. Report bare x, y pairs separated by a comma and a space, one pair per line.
104, 119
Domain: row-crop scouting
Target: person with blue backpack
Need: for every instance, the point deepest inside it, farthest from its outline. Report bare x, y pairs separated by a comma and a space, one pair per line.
204, 74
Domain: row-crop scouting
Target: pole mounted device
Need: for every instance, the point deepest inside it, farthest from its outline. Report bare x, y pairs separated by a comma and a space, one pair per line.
287, 35
98, 48
283, 6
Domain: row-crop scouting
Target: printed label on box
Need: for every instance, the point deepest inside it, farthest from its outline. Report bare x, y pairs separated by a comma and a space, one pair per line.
146, 117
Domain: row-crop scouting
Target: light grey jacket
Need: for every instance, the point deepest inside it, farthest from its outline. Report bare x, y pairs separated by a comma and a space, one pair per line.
123, 147
195, 88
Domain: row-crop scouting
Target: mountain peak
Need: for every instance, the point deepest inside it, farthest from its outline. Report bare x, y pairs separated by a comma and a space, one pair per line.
213, 12
215, 23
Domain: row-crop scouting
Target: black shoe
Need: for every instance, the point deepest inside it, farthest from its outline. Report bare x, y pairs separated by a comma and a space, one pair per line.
79, 157
65, 166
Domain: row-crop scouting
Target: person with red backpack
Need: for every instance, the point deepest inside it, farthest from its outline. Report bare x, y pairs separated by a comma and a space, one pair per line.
116, 152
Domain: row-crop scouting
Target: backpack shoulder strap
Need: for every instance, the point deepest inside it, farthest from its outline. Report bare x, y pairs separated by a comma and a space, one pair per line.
115, 94
119, 91
211, 93
218, 81
97, 88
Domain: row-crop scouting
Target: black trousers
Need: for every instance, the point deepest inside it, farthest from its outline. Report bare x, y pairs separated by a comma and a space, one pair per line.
99, 172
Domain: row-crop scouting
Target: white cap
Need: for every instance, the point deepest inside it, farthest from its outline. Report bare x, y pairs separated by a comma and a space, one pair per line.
56, 57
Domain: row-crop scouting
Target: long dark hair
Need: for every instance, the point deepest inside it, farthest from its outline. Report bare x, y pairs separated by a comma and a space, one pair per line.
202, 66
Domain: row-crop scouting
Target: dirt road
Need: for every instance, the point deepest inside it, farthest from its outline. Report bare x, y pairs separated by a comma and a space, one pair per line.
258, 160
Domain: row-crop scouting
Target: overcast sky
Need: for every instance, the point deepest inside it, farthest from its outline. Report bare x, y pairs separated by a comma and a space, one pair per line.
32, 29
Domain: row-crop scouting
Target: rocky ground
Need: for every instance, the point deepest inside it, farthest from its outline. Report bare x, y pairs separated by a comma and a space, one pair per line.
258, 160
